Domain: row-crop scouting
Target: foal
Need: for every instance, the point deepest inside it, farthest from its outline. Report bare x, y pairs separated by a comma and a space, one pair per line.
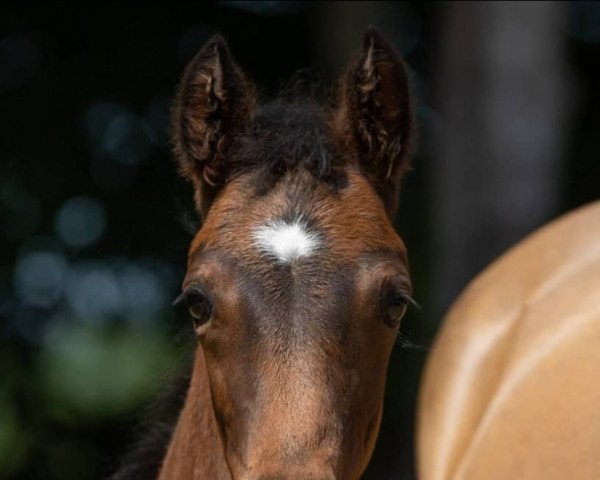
297, 281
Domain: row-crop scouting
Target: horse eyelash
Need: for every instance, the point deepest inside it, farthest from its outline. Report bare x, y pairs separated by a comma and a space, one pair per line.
179, 300
411, 301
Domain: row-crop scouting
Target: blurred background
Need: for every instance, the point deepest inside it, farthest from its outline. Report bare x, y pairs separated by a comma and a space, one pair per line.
95, 223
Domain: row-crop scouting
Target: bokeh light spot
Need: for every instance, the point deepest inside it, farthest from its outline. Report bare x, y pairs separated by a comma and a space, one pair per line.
126, 140
93, 292
80, 222
98, 116
143, 293
39, 278
94, 372
115, 130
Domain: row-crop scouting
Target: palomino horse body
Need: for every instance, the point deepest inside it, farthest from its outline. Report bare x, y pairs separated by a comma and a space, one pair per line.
512, 387
297, 281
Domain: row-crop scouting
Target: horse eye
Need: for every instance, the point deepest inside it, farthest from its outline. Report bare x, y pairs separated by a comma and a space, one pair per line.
199, 308
193, 303
395, 307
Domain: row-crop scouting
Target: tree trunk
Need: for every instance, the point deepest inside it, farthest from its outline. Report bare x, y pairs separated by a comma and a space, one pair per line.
497, 171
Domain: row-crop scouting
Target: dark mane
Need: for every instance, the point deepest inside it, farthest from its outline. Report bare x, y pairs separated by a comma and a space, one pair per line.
285, 136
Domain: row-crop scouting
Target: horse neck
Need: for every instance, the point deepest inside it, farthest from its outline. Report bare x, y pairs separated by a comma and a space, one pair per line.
196, 449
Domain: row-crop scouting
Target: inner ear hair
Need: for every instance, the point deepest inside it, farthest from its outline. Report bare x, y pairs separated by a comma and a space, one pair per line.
375, 115
214, 102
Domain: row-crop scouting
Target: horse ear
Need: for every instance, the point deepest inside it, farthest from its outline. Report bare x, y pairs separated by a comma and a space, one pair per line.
375, 114
214, 102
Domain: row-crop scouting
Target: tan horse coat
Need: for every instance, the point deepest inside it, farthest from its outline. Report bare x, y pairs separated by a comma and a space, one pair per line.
511, 390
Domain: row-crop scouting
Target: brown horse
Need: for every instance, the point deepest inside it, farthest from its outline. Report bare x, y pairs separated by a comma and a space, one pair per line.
512, 387
297, 281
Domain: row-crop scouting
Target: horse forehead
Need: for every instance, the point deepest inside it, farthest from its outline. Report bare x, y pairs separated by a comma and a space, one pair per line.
287, 241
285, 228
